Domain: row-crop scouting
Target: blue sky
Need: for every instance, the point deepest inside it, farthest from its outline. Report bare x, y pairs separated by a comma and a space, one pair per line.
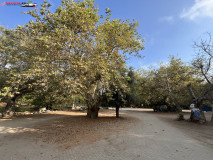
169, 27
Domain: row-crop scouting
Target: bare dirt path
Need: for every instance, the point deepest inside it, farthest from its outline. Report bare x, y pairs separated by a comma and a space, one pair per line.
152, 138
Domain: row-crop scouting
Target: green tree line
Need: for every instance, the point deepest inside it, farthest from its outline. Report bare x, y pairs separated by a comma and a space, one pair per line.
75, 54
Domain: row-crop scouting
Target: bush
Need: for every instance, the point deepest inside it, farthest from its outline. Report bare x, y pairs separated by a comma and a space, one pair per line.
1, 109
23, 109
180, 117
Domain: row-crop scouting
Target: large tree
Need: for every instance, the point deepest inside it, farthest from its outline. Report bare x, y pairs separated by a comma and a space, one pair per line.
82, 49
167, 84
203, 65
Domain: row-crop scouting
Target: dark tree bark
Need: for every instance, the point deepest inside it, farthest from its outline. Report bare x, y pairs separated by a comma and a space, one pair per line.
11, 104
49, 107
92, 112
211, 97
212, 115
212, 111
93, 108
117, 111
118, 102
10, 107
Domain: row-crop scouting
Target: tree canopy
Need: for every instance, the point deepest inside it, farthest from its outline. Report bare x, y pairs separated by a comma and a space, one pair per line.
73, 48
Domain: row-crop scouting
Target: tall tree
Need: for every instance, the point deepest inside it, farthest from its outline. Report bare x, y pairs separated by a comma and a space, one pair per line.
203, 65
80, 48
168, 83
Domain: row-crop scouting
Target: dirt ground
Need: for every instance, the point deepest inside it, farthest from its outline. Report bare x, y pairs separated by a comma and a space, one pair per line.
67, 129
77, 129
201, 132
138, 134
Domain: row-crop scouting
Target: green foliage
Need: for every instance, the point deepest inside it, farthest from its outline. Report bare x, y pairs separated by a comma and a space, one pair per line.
24, 109
166, 84
132, 96
2, 109
75, 55
85, 51
72, 51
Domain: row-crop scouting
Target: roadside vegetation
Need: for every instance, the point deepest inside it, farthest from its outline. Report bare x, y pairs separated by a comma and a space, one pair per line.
76, 56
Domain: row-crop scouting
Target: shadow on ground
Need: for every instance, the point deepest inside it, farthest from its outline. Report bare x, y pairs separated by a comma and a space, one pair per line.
65, 129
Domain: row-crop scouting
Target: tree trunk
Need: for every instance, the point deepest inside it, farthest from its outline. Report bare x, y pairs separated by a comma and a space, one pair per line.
9, 109
117, 111
212, 116
92, 112
212, 112
93, 107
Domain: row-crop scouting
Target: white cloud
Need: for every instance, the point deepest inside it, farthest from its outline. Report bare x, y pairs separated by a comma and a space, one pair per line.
201, 8
166, 18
